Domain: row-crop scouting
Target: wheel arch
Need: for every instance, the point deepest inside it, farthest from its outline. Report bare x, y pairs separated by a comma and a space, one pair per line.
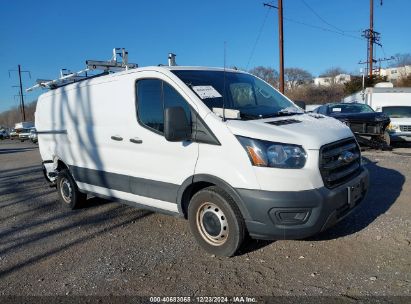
197, 182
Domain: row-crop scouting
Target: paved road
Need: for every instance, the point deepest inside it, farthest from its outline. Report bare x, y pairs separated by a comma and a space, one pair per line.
110, 249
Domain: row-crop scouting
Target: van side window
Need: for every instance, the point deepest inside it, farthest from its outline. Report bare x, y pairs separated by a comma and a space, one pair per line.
150, 105
173, 99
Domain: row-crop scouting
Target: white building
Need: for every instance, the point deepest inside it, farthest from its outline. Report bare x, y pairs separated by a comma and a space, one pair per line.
327, 81
394, 74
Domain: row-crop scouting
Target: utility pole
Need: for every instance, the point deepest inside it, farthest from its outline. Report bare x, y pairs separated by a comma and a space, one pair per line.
23, 112
371, 39
280, 41
21, 94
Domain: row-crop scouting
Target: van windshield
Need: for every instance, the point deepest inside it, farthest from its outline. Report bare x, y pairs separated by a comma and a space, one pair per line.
238, 91
397, 112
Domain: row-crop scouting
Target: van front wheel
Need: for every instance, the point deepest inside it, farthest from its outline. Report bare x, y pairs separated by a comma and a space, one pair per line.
216, 222
68, 191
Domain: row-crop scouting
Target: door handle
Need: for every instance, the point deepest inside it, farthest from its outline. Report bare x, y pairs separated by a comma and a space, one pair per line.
136, 140
117, 138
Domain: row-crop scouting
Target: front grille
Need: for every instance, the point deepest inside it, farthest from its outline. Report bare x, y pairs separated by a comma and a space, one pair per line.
334, 167
405, 128
365, 128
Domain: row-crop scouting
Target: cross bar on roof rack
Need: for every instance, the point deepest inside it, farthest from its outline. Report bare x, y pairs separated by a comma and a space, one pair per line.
118, 62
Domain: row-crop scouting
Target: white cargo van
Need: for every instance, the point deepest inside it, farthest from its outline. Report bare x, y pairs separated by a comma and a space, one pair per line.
218, 147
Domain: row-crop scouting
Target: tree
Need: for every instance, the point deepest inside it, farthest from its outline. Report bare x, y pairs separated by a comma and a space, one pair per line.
355, 84
12, 116
404, 81
312, 94
401, 60
295, 77
333, 73
267, 74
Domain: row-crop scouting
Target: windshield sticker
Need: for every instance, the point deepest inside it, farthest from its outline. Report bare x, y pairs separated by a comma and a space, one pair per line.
336, 109
205, 92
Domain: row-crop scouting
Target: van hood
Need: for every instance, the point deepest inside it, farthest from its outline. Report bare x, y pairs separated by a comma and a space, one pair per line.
401, 120
309, 130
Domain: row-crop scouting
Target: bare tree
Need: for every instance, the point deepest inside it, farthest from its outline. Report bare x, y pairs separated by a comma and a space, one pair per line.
404, 82
295, 77
267, 74
12, 116
312, 94
332, 73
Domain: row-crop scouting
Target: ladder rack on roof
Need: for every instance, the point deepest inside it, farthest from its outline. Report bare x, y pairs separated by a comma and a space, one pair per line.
119, 62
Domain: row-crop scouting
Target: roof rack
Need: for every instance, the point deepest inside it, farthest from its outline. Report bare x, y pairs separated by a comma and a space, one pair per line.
119, 62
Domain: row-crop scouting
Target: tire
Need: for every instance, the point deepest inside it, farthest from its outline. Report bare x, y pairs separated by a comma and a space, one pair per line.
216, 222
68, 191
387, 138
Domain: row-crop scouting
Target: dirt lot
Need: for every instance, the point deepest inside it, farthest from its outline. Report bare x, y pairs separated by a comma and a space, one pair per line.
110, 249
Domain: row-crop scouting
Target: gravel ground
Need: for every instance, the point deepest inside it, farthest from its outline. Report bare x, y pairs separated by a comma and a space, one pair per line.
110, 249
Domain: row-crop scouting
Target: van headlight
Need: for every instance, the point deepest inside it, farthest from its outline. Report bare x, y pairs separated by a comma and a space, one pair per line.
277, 155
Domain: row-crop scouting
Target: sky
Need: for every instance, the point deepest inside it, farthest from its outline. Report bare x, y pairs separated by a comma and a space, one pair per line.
45, 36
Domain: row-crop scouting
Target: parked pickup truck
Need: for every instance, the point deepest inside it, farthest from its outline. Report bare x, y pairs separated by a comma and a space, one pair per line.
369, 127
400, 126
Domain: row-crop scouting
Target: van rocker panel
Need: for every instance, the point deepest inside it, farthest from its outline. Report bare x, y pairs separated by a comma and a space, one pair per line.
139, 186
315, 210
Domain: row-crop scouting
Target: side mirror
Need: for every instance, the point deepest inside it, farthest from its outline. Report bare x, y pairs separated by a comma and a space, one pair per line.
301, 104
176, 125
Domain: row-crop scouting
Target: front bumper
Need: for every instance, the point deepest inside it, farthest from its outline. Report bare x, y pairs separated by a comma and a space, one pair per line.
297, 215
400, 136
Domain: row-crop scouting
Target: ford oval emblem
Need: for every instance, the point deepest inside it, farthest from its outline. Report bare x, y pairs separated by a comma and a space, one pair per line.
347, 156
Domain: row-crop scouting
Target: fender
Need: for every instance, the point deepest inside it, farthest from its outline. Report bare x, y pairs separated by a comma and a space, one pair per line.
213, 180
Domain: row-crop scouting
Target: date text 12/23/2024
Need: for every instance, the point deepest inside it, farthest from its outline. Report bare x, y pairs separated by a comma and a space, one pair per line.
199, 299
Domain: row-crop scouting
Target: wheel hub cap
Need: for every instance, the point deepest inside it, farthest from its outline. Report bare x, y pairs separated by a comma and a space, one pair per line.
66, 191
212, 224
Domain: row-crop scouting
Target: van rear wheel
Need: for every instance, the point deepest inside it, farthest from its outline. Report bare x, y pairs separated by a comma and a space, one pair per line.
216, 222
68, 191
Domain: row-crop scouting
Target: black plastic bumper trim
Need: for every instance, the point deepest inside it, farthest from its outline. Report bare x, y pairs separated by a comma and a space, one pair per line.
323, 204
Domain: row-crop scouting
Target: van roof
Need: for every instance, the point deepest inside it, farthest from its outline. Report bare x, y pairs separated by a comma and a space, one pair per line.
198, 68
389, 90
148, 68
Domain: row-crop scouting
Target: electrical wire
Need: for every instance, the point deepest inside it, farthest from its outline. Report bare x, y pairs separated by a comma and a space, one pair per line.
337, 31
258, 38
322, 28
325, 21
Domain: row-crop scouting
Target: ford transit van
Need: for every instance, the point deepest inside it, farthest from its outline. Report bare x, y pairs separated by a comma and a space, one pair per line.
218, 147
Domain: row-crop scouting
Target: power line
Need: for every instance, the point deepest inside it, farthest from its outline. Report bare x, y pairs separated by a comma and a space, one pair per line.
319, 17
258, 39
325, 21
322, 28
